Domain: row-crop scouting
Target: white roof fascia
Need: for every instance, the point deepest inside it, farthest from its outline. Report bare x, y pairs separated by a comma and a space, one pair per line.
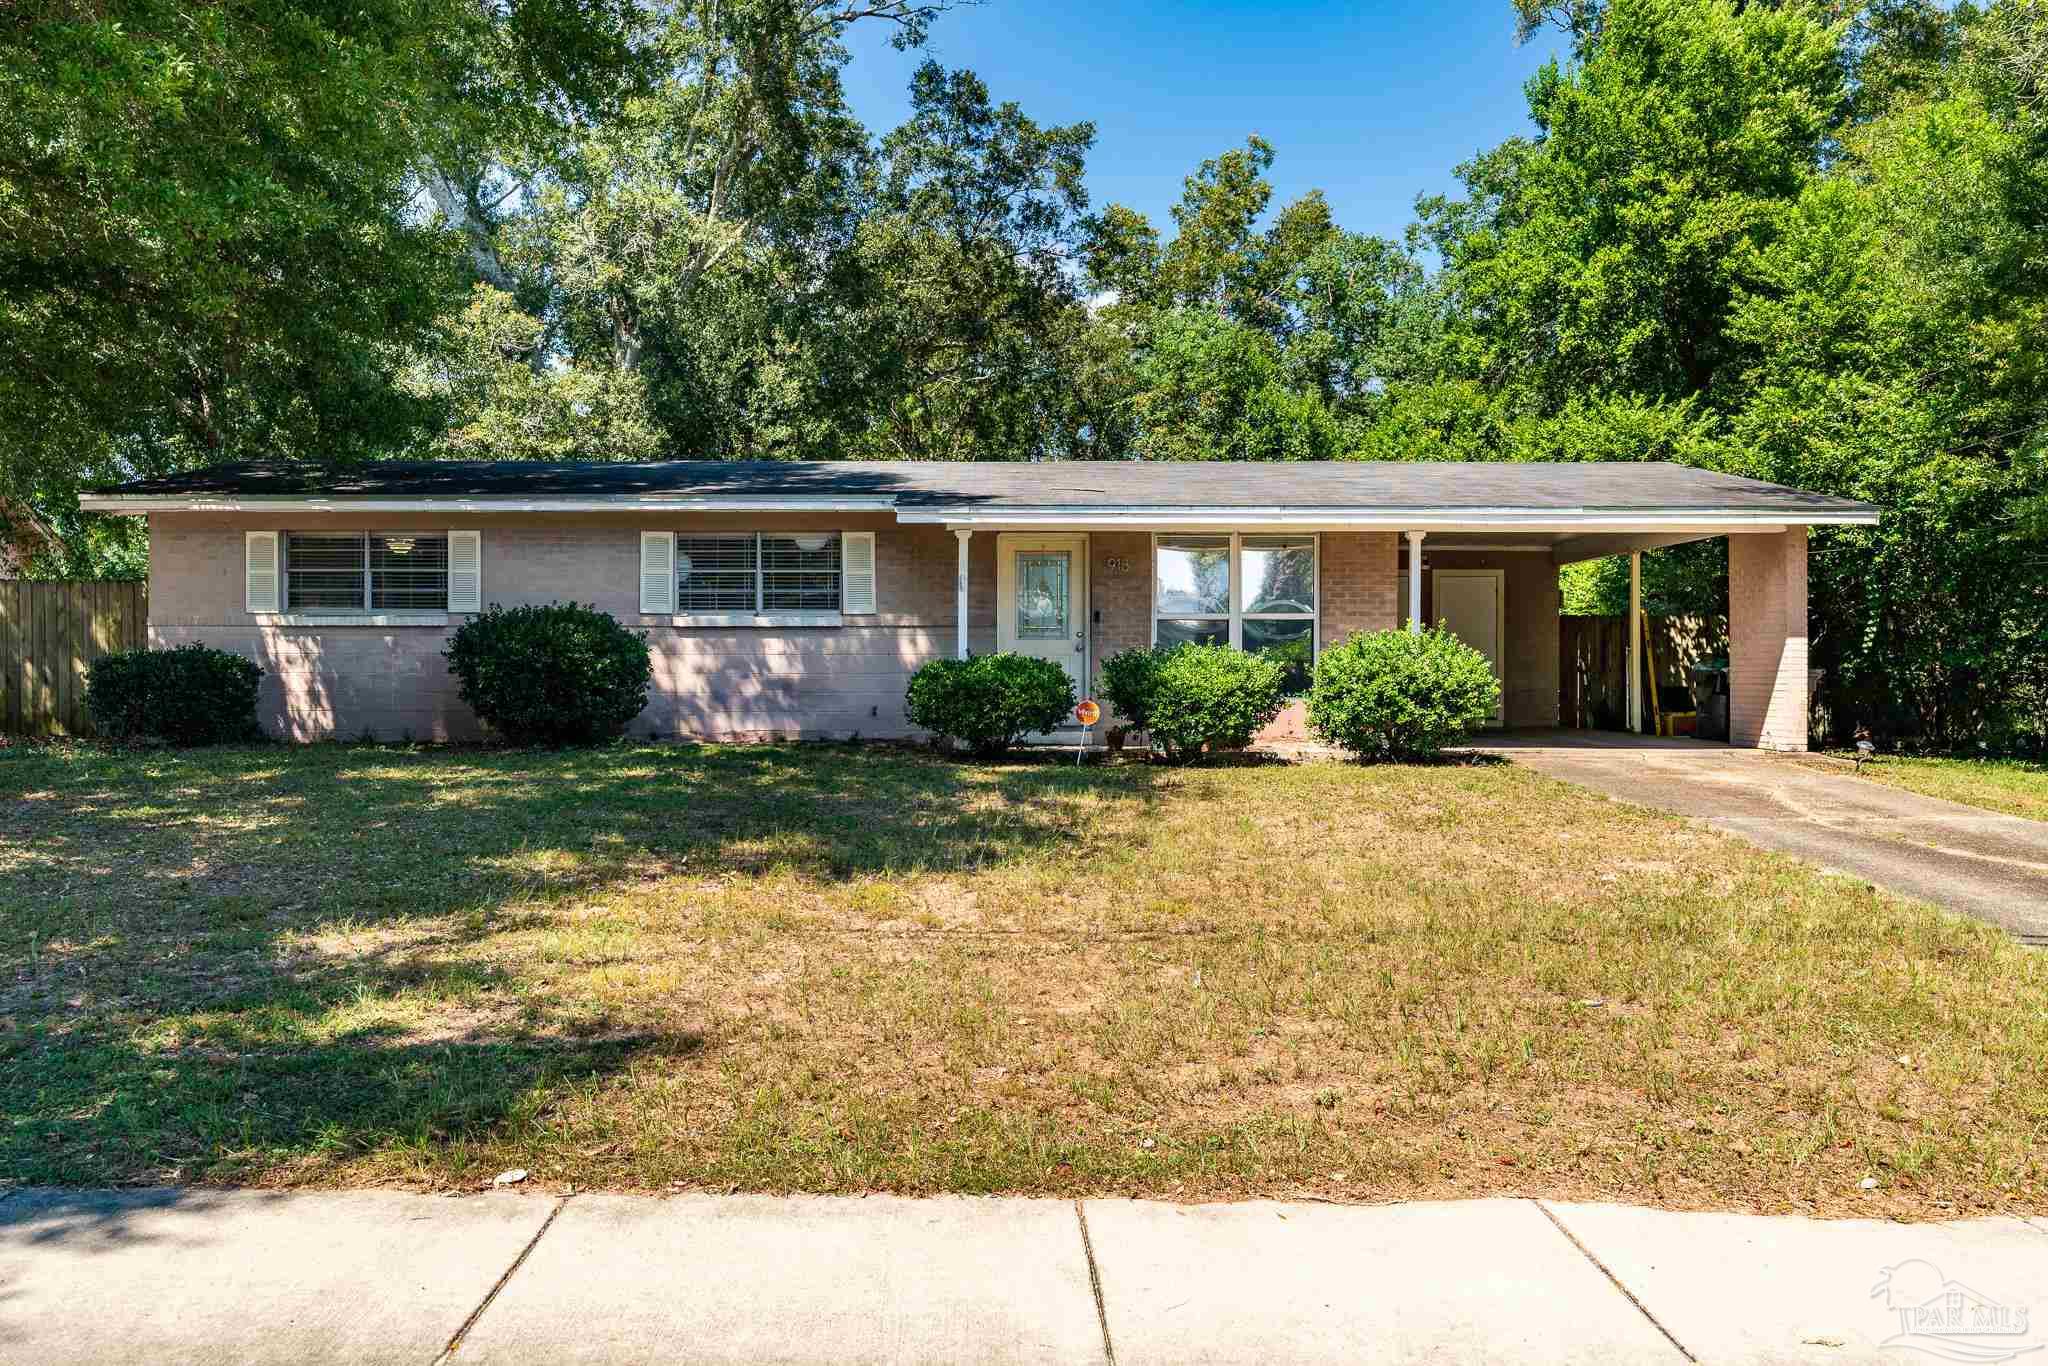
1707, 521
1711, 521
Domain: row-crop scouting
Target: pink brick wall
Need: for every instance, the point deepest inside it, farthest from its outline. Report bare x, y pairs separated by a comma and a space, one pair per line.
391, 682
1529, 603
1767, 646
1358, 589
1120, 591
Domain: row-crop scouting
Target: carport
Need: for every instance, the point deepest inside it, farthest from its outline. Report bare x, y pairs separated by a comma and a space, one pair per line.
1498, 591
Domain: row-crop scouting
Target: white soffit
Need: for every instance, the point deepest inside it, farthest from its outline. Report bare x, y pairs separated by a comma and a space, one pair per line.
1562, 521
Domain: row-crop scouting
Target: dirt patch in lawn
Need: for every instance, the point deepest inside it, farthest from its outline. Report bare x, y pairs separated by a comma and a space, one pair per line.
781, 968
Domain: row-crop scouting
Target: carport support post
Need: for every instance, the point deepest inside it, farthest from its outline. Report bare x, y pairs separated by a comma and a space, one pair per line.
1767, 641
1415, 582
961, 590
1635, 640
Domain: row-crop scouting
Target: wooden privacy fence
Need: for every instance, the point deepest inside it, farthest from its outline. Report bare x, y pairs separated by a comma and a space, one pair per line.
1592, 666
49, 632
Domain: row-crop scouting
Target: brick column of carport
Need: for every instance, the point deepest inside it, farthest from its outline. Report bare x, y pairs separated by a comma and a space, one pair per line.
1767, 679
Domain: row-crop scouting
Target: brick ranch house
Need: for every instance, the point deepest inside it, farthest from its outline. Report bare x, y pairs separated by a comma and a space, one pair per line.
789, 599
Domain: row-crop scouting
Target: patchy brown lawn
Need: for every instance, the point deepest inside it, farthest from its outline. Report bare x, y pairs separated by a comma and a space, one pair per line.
832, 969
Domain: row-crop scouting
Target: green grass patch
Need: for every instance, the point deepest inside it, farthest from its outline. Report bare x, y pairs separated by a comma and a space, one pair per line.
2014, 786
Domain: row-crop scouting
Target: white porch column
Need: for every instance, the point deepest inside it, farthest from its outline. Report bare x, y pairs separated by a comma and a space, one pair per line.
961, 590
1635, 639
1415, 582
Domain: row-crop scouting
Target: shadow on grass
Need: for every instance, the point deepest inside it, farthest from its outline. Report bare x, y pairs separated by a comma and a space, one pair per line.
372, 832
99, 1109
162, 1011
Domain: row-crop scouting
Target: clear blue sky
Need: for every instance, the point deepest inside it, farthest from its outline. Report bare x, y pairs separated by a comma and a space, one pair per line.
1372, 103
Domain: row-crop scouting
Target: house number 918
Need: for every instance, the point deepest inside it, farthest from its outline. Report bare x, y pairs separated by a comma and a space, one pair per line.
1117, 564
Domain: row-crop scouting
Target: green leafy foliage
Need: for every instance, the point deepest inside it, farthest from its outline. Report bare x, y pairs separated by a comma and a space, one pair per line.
1241, 341
205, 242
560, 674
190, 695
1401, 695
1212, 697
989, 702
1128, 680
497, 404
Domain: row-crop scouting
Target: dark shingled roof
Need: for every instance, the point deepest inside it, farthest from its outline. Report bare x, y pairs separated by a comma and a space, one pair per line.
1392, 485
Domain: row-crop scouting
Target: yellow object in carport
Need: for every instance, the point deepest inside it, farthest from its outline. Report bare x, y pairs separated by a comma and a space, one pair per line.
1665, 723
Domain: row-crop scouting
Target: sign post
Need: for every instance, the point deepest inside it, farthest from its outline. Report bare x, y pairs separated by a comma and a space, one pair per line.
1087, 714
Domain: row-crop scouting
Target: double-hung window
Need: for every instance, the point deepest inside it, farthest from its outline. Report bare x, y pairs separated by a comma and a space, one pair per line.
1255, 592
355, 571
758, 572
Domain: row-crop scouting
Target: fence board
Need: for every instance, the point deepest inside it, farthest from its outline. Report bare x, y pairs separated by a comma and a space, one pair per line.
1593, 663
50, 633
10, 656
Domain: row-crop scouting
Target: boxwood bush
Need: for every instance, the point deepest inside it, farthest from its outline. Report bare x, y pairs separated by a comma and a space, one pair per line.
1397, 695
1212, 696
1128, 680
192, 695
563, 674
989, 702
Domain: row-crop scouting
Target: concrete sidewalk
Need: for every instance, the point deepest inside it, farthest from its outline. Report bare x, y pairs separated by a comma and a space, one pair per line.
178, 1275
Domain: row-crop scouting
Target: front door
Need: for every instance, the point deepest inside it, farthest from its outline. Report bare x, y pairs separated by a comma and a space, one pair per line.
1468, 602
1042, 600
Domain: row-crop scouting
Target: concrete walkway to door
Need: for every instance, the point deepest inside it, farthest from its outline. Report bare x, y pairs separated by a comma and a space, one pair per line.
1992, 866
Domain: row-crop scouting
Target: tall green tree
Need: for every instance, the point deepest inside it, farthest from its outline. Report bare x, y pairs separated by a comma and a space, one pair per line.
1602, 255
703, 238
210, 241
1247, 338
1899, 329
967, 310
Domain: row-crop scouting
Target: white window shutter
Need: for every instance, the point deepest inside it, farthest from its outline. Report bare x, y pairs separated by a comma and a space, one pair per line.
658, 572
259, 571
465, 571
857, 572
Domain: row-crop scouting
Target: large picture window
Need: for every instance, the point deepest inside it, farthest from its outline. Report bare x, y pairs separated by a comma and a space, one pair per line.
355, 571
1257, 593
758, 572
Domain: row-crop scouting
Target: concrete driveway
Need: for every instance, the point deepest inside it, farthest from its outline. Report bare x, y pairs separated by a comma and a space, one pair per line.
1988, 865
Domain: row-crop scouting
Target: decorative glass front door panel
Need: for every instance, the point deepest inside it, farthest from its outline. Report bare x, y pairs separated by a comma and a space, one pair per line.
1042, 595
1041, 604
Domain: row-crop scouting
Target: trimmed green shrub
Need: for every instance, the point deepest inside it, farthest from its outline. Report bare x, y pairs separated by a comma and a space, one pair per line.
193, 695
562, 674
1128, 680
989, 702
1212, 696
1397, 695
